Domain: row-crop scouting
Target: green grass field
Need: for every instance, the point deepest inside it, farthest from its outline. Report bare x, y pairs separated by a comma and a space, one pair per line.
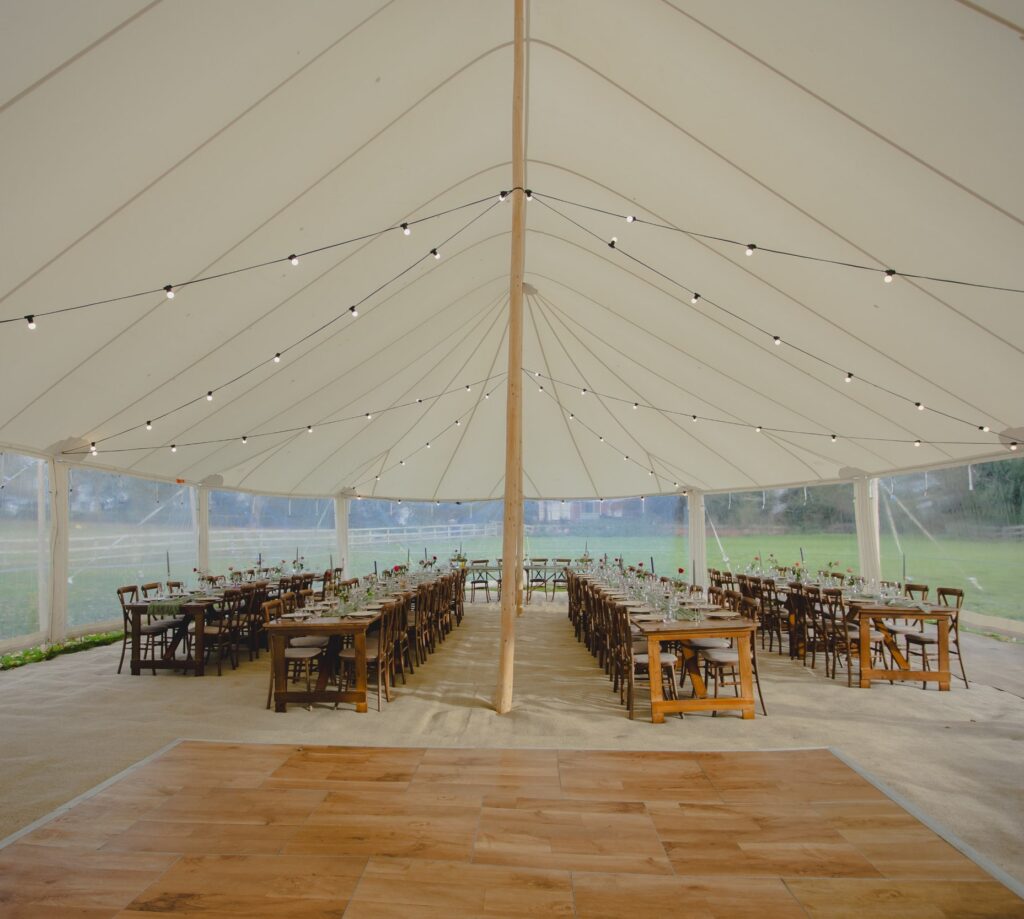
987, 570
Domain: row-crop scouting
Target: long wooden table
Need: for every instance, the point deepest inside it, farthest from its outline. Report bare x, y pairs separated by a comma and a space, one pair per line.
741, 630
333, 627
867, 615
194, 612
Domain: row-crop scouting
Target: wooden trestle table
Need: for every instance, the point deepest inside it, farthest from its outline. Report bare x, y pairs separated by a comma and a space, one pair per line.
876, 615
333, 627
741, 630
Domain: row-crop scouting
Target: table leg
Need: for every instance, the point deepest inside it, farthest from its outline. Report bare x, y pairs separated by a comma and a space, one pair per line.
280, 666
864, 652
654, 673
943, 628
745, 651
359, 643
691, 661
199, 619
136, 620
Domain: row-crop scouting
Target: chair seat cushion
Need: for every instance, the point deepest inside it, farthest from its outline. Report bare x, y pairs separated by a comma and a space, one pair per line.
301, 654
153, 628
706, 643
922, 638
902, 629
725, 656
667, 659
372, 650
309, 641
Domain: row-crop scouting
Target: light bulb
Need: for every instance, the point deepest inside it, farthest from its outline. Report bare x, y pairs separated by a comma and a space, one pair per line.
245, 439
169, 290
376, 478
625, 459
685, 492
984, 428
758, 429
293, 258
636, 405
777, 340
750, 248
695, 297
1013, 445
468, 389
309, 429
406, 229
369, 417
613, 241
571, 416
209, 396
601, 439
920, 406
149, 425
458, 421
435, 253
92, 448
277, 358
833, 438
428, 444
401, 462
675, 484
890, 273
694, 417
529, 195
31, 321
502, 195
651, 472
917, 443
174, 448
583, 392
630, 218
849, 377
540, 389
354, 311
418, 401
487, 395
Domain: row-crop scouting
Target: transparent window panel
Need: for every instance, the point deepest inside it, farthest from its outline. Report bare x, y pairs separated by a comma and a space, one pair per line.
24, 545
124, 530
249, 531
780, 527
960, 527
389, 533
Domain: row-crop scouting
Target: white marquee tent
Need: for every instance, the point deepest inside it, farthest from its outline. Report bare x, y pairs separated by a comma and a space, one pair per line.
147, 144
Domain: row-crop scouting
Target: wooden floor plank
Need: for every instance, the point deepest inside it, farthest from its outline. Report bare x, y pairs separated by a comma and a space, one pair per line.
293, 831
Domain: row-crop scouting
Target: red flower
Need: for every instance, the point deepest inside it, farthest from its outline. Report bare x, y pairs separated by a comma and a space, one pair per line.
397, 568
639, 564
682, 570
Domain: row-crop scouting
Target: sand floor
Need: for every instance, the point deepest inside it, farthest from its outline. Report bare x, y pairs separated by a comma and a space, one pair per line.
70, 723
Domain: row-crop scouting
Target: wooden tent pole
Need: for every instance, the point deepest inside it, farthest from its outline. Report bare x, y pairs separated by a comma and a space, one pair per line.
512, 534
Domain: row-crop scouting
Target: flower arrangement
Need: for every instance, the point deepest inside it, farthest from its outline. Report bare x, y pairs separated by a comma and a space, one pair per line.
458, 559
428, 562
798, 571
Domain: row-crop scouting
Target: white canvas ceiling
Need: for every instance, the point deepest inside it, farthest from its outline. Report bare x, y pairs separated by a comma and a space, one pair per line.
147, 144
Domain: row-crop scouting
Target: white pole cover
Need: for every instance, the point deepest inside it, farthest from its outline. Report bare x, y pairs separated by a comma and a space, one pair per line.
697, 539
58, 623
865, 506
203, 529
341, 505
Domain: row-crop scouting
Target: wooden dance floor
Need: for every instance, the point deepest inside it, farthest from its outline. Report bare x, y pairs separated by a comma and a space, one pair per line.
211, 829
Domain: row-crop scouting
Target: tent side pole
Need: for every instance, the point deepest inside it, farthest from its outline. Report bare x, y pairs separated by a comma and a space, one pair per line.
512, 534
